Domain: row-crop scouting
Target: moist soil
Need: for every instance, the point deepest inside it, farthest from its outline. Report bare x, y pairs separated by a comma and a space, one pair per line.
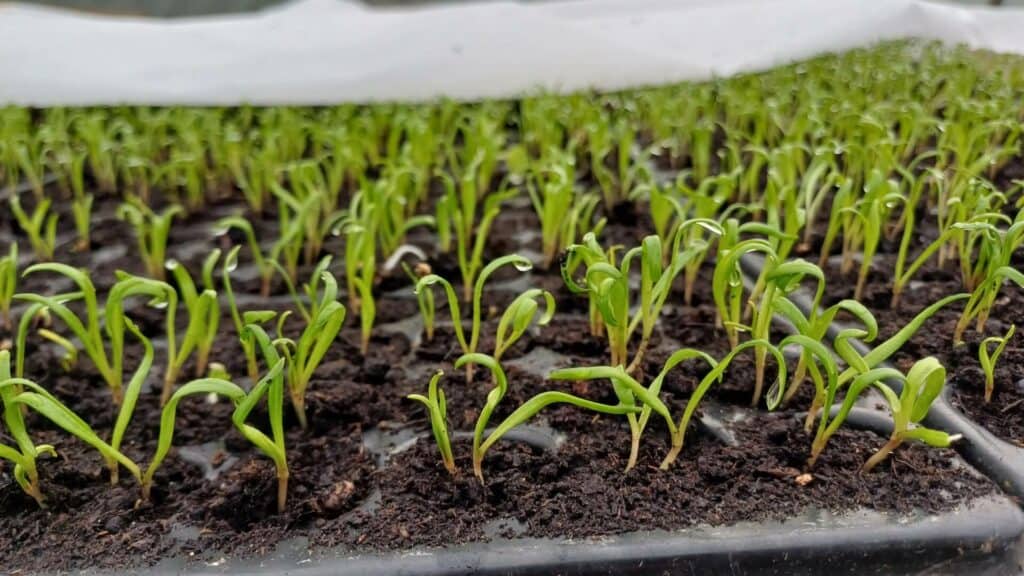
215, 495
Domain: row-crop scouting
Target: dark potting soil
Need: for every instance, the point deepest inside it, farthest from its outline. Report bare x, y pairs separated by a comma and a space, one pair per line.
215, 495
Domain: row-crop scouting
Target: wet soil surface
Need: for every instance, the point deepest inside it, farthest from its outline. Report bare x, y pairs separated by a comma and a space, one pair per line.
366, 474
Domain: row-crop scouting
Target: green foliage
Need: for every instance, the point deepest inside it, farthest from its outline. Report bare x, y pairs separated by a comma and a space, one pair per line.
607, 285
8, 283
305, 354
987, 254
40, 226
457, 210
203, 321
263, 264
484, 440
514, 320
242, 319
104, 346
858, 364
151, 231
987, 359
565, 215
437, 410
814, 325
918, 390
714, 376
19, 394
81, 210
270, 385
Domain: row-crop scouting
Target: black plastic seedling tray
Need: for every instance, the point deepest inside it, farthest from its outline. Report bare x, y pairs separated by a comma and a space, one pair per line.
983, 540
985, 536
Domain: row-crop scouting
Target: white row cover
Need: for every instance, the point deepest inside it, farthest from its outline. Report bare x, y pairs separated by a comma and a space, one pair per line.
331, 51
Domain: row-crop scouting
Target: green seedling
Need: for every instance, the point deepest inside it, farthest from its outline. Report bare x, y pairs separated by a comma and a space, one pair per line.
304, 355
458, 211
716, 374
814, 325
8, 283
424, 298
608, 287
243, 319
271, 386
81, 210
858, 364
203, 321
564, 215
920, 387
484, 440
40, 226
987, 359
18, 394
514, 321
987, 268
263, 264
106, 353
131, 396
151, 232
24, 456
437, 410
629, 391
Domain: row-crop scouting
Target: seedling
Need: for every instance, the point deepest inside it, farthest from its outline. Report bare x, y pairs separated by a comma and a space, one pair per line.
240, 319
514, 321
616, 185
437, 410
361, 232
920, 387
81, 203
628, 391
151, 232
8, 283
862, 224
18, 394
458, 211
81, 210
858, 364
108, 363
40, 226
774, 396
519, 316
991, 267
483, 441
271, 385
814, 325
203, 321
727, 285
263, 264
564, 216
608, 287
304, 355
424, 298
24, 455
131, 396
901, 272
988, 359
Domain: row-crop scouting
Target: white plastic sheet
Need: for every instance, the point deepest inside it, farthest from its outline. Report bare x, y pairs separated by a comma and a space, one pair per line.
329, 51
